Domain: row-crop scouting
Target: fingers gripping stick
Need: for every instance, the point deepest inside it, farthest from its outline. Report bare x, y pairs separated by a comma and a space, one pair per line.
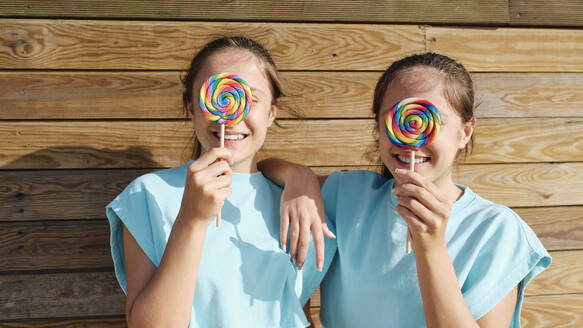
411, 124
226, 100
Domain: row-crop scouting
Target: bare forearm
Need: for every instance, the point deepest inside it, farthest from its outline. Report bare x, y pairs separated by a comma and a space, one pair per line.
166, 300
278, 170
443, 301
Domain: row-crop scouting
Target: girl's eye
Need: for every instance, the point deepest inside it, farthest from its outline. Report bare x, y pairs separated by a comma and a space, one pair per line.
254, 100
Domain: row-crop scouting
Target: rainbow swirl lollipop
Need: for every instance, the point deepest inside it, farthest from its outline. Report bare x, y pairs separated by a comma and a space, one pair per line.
413, 123
225, 99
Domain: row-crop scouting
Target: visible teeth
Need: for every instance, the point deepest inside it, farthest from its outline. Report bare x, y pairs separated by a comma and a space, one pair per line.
234, 136
406, 159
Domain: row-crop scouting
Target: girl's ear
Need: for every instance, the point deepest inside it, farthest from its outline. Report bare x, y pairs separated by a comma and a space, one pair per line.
272, 114
190, 109
190, 112
468, 130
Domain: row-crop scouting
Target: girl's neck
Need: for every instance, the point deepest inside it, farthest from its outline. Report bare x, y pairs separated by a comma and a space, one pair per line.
245, 167
449, 189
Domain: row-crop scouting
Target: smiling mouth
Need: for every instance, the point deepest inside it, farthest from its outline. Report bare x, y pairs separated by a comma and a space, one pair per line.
406, 159
232, 137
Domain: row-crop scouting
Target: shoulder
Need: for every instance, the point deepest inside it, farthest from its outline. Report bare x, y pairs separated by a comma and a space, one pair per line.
496, 223
160, 181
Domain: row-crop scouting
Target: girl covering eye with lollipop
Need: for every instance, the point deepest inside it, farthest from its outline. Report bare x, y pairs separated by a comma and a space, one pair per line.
176, 268
472, 259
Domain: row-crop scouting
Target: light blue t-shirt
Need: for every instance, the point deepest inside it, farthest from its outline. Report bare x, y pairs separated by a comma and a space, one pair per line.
372, 282
244, 278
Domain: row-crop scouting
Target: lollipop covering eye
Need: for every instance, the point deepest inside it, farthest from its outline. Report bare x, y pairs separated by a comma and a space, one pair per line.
412, 123
225, 99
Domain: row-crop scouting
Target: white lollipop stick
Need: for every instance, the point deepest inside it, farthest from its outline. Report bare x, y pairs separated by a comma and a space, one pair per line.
222, 146
412, 169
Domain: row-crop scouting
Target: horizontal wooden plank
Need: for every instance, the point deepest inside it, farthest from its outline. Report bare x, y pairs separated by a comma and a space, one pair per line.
144, 144
510, 49
528, 94
60, 194
564, 276
553, 311
559, 228
541, 12
60, 295
52, 44
54, 246
152, 95
415, 11
49, 44
525, 185
132, 95
67, 323
520, 140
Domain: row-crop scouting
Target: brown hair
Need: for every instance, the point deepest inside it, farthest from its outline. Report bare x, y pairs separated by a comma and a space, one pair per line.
458, 90
237, 42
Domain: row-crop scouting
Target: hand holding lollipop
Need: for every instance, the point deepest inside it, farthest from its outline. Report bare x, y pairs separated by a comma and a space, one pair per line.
225, 99
411, 124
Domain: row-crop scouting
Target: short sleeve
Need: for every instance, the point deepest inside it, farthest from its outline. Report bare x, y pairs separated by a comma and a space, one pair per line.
130, 208
508, 254
330, 196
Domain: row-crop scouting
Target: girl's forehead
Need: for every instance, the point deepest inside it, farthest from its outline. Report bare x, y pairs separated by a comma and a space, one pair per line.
240, 62
235, 61
419, 82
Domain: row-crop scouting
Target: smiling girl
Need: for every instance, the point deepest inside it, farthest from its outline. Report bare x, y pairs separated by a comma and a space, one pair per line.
175, 269
472, 258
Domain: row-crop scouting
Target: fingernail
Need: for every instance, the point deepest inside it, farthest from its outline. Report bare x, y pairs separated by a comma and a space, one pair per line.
333, 235
399, 171
320, 265
300, 266
284, 248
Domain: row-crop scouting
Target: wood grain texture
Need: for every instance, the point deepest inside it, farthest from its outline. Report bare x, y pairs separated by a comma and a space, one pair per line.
144, 144
55, 246
528, 94
151, 95
510, 49
51, 44
520, 140
67, 323
525, 185
564, 276
421, 11
553, 311
156, 95
60, 295
559, 228
541, 12
60, 194
89, 95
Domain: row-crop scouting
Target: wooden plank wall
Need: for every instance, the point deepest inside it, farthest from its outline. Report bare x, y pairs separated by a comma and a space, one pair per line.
90, 99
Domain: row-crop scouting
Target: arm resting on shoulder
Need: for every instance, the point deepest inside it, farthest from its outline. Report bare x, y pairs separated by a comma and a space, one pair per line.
302, 208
